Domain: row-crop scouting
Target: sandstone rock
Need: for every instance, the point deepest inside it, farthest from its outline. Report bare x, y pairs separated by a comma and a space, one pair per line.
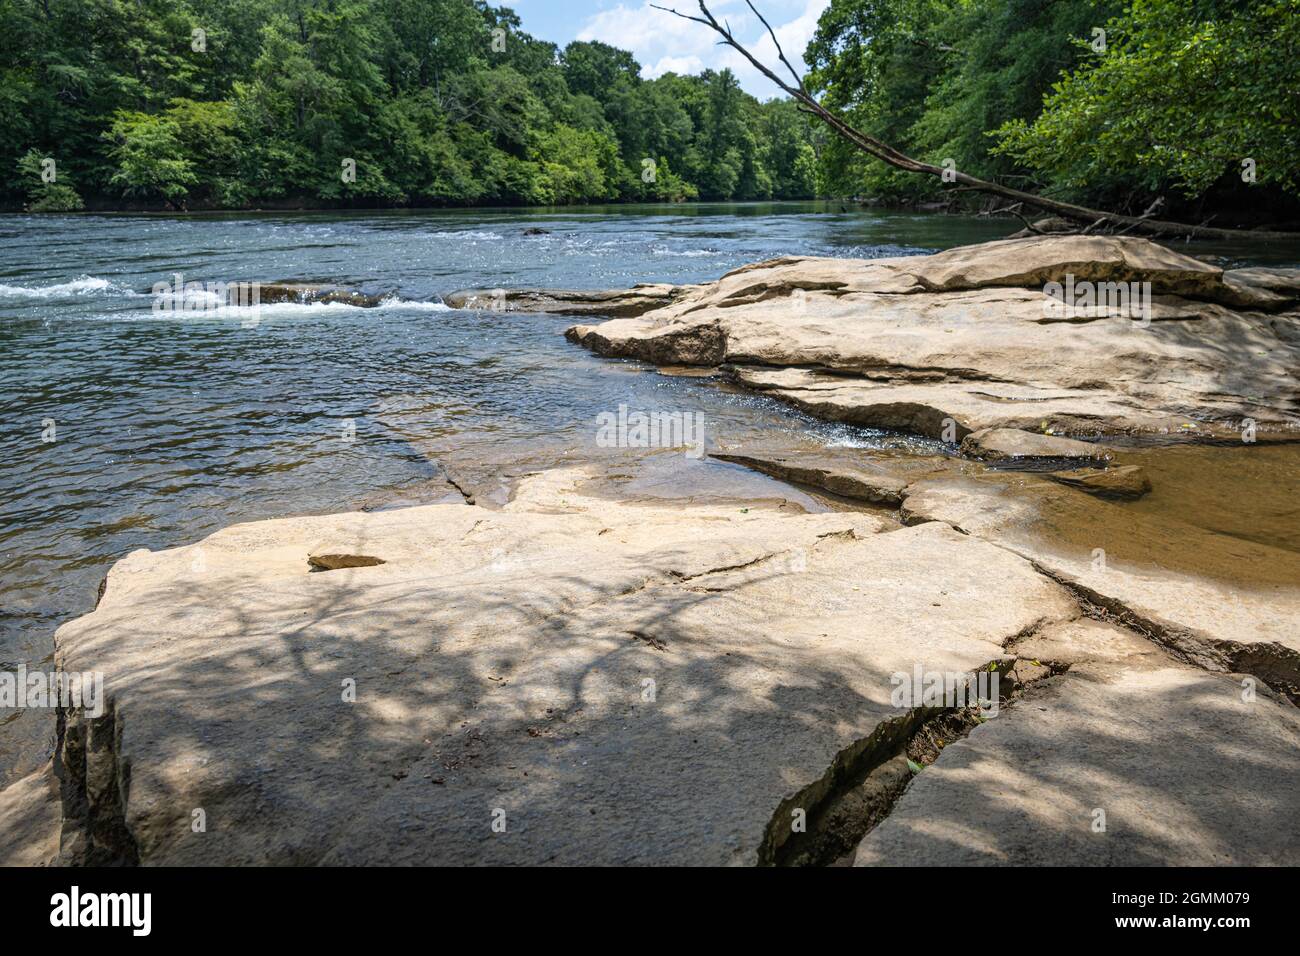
947, 410
1222, 603
311, 294
968, 335
1085, 641
1008, 444
1118, 481
615, 683
636, 301
1028, 263
1185, 772
29, 820
1276, 287
864, 483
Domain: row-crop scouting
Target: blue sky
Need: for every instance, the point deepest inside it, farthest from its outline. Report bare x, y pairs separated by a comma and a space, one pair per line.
662, 42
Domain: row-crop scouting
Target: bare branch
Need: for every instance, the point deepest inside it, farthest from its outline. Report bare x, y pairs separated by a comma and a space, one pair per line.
798, 81
899, 160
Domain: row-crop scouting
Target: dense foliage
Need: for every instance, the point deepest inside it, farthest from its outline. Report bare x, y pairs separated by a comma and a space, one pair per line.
1107, 102
236, 103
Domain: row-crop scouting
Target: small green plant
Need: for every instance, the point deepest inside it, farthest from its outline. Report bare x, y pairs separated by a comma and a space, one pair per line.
48, 188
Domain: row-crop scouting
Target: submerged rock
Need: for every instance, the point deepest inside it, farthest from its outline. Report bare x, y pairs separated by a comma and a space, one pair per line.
312, 294
976, 336
1119, 481
863, 483
1012, 444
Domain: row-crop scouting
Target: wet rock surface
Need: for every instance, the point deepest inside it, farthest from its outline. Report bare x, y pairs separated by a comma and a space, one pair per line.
1012, 444
306, 293
1119, 481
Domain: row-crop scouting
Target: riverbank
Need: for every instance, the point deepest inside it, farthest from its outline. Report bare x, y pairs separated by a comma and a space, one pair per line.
652, 657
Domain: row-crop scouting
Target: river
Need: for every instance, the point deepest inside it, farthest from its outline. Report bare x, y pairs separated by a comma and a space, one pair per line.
125, 428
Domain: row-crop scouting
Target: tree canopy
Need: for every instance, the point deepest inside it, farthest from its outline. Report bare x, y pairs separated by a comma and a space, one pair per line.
237, 103
1104, 102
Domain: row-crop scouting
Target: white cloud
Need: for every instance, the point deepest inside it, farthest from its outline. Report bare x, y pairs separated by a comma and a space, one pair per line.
662, 42
672, 64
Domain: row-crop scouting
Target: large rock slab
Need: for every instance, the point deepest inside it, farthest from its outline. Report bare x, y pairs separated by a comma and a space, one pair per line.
1127, 759
1222, 603
1014, 444
606, 682
971, 336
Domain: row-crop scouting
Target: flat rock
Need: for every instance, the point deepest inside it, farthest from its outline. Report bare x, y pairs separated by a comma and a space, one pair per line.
1222, 603
1269, 288
970, 335
1127, 482
1170, 760
611, 683
862, 482
625, 302
1007, 444
29, 820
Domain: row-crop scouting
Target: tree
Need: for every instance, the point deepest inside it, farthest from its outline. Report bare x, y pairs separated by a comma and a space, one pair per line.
1186, 92
886, 152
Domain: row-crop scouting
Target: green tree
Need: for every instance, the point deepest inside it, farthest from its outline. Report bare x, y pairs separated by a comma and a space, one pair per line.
1186, 92
46, 190
149, 156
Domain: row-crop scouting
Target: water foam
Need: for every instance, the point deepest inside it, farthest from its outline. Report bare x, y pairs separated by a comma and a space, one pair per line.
82, 285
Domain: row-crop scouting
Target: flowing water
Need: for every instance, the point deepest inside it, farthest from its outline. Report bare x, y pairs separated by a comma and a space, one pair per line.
126, 428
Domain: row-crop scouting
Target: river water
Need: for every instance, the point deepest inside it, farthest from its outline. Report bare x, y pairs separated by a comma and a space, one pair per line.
166, 427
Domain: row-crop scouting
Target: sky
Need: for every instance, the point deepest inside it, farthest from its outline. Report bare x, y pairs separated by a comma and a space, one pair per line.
664, 43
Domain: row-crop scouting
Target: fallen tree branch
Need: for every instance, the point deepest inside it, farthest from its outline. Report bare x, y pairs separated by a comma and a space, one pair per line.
900, 160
